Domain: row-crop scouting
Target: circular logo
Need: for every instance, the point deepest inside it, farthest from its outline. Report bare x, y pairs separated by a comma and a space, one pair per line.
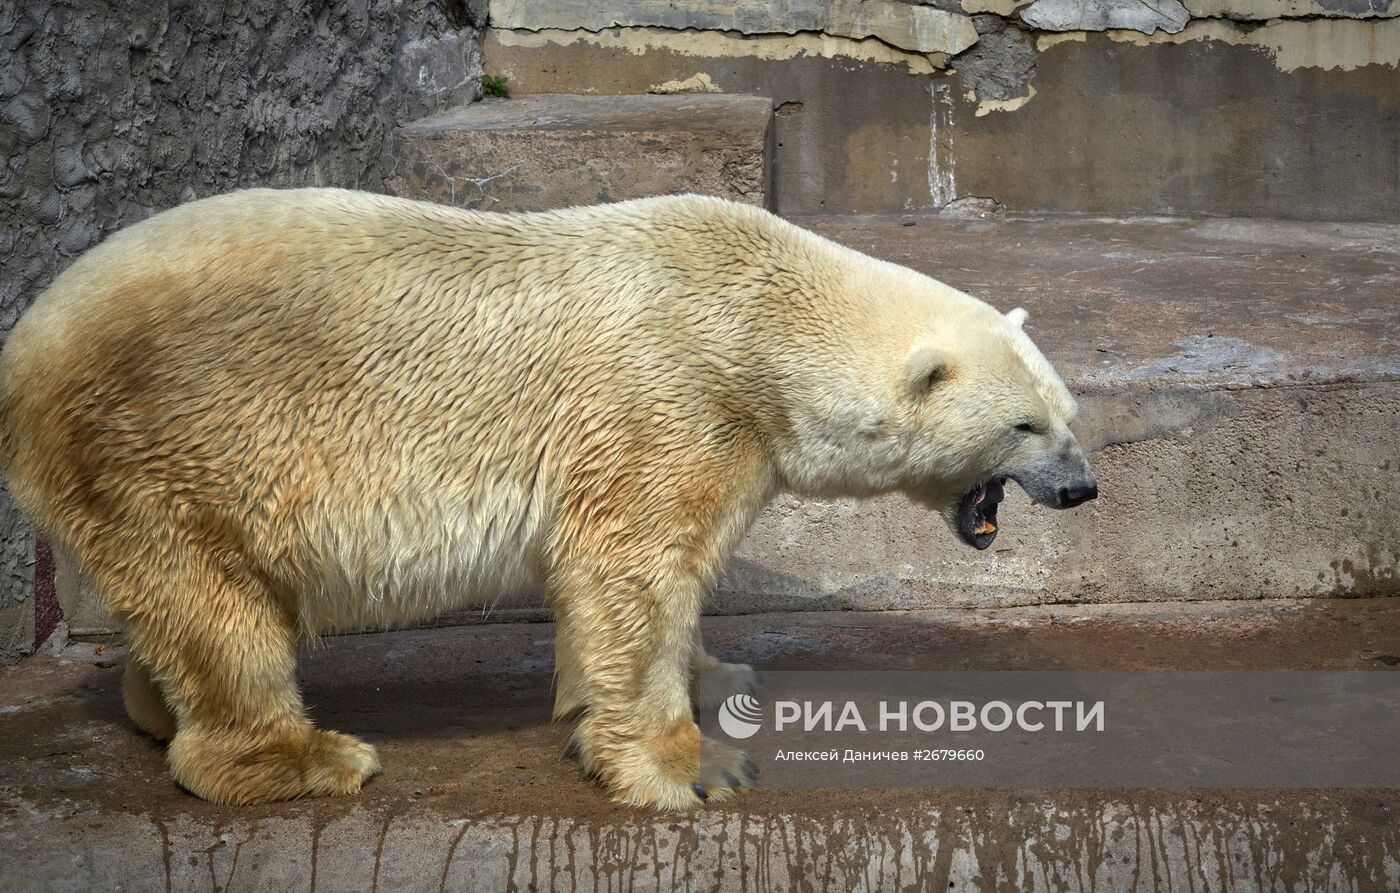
740, 716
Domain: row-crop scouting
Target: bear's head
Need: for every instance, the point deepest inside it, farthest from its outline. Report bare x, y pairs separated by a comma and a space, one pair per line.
992, 410
947, 413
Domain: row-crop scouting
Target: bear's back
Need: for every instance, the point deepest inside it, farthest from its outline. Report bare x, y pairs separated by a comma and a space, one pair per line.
296, 292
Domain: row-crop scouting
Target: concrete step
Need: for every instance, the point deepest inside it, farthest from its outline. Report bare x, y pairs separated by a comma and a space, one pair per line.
477, 795
555, 151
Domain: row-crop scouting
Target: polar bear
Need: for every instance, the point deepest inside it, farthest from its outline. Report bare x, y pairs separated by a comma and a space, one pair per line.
273, 414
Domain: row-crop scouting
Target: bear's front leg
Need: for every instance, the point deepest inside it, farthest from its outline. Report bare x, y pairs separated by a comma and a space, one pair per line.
624, 665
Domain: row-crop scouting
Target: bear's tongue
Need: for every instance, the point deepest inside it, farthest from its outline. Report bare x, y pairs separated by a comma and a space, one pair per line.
977, 514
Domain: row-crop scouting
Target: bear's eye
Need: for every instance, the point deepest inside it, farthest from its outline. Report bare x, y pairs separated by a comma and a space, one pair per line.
1027, 427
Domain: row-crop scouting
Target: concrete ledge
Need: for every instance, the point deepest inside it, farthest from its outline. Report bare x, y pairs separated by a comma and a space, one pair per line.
555, 151
477, 795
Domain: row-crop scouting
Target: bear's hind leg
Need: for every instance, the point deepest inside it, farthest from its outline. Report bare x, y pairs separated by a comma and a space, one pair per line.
568, 689
222, 651
144, 702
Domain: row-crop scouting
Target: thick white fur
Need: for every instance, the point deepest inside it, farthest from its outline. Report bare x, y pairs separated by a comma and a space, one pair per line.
280, 412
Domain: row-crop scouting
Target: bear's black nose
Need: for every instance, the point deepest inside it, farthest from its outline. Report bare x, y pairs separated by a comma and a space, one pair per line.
1078, 494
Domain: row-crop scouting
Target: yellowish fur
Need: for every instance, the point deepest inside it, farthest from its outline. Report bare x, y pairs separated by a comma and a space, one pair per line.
276, 413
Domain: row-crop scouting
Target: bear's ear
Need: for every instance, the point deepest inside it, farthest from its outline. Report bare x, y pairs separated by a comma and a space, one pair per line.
1017, 317
924, 368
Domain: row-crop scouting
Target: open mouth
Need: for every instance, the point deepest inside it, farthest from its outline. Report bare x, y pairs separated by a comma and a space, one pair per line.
977, 513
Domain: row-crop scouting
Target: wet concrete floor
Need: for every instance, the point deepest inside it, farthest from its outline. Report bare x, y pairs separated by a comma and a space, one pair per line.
478, 794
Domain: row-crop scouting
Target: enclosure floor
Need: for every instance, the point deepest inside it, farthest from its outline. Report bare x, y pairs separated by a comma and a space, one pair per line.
478, 794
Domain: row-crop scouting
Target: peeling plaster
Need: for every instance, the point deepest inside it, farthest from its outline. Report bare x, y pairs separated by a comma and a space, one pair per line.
1044, 42
987, 106
699, 82
720, 45
1263, 10
1330, 44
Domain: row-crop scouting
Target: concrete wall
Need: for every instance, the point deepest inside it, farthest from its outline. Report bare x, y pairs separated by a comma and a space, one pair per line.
111, 110
1264, 108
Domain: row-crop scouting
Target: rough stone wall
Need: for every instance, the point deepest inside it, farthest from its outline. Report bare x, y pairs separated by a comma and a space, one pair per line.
111, 110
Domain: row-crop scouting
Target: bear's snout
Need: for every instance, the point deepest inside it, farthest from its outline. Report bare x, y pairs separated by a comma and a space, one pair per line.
1077, 494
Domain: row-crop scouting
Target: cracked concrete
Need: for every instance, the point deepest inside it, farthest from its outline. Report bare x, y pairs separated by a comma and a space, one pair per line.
905, 26
1147, 16
637, 41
